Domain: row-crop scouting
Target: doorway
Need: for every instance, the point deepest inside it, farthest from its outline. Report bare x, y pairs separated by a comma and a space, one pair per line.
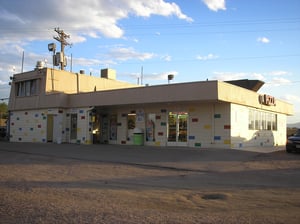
73, 130
50, 128
177, 128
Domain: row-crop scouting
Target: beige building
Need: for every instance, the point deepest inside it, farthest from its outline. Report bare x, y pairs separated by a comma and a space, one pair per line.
48, 105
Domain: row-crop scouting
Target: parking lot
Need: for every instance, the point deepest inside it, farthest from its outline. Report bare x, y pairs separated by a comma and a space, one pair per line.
68, 183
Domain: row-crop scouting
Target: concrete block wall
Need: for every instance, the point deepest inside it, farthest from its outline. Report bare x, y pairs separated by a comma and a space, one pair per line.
28, 126
222, 125
200, 126
84, 125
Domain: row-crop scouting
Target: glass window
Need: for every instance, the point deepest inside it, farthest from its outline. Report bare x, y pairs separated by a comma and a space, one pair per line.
251, 119
113, 127
131, 118
259, 120
263, 121
274, 122
33, 87
150, 127
269, 122
26, 88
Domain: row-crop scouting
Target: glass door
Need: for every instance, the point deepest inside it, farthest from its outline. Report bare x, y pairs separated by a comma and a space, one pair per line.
177, 128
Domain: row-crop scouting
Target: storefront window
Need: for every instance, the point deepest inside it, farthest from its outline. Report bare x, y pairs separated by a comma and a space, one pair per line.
150, 127
131, 118
113, 127
259, 120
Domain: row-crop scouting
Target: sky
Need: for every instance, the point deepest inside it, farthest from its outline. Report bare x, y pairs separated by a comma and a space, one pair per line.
145, 41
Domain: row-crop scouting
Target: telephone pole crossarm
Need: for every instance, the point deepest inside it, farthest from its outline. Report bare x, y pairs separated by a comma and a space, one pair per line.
62, 36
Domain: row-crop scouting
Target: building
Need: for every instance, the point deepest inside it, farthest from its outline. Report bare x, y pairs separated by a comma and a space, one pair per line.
48, 105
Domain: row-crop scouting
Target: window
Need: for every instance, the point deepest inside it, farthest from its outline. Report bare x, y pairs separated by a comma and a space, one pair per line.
251, 120
131, 118
259, 120
27, 88
113, 127
150, 127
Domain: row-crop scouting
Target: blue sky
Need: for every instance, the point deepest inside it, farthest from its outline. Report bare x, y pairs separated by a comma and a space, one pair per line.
194, 40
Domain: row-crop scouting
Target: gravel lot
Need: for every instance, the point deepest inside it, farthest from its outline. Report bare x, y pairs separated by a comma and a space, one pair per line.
50, 183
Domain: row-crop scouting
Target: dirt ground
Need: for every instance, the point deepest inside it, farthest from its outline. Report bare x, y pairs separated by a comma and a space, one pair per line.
51, 184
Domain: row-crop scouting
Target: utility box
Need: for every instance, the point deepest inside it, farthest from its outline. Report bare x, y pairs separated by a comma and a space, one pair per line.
108, 73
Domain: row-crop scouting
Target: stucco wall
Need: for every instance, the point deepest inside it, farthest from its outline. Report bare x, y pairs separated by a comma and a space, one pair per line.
241, 136
64, 81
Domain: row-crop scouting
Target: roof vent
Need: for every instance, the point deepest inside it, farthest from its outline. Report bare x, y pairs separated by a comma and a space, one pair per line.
40, 64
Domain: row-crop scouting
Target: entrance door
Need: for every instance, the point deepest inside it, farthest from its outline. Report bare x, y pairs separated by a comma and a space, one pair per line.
50, 128
177, 128
73, 134
104, 127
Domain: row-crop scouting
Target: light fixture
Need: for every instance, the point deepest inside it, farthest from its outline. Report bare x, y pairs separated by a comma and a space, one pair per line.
52, 47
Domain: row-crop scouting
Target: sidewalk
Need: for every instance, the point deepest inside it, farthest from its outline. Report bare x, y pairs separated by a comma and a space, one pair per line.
183, 158
266, 149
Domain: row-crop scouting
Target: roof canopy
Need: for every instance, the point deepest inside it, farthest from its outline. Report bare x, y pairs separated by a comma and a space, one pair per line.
253, 85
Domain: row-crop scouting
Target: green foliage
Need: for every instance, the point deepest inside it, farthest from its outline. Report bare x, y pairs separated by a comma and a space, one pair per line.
3, 110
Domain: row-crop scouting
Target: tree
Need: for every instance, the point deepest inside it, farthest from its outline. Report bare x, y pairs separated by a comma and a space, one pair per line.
3, 111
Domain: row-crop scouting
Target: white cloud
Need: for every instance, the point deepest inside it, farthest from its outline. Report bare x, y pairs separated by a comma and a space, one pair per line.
258, 76
279, 81
278, 73
166, 58
124, 54
3, 83
159, 76
87, 62
225, 76
263, 40
207, 57
151, 77
215, 5
26, 20
291, 98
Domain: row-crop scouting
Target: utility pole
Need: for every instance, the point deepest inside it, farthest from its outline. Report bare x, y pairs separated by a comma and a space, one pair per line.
62, 36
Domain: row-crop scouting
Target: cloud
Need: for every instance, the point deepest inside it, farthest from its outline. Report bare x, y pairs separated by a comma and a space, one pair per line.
3, 83
279, 81
258, 76
225, 76
159, 76
151, 77
26, 20
215, 5
263, 40
278, 73
125, 54
167, 58
291, 98
207, 57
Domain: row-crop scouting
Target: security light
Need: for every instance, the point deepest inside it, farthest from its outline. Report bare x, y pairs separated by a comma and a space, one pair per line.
52, 47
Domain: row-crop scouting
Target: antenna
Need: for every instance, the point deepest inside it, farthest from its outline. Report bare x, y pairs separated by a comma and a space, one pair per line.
62, 36
142, 75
